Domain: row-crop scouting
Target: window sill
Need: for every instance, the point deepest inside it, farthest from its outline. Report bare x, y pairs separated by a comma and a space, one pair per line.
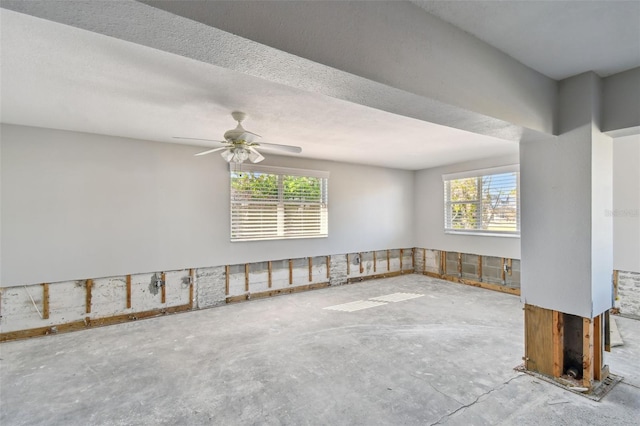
243, 240
482, 234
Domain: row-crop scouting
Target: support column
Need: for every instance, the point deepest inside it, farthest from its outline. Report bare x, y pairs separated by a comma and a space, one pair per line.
567, 237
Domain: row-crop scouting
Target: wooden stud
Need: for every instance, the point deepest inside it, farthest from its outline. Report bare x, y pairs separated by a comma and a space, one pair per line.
597, 348
443, 261
328, 267
375, 266
246, 277
401, 256
88, 285
163, 289
45, 301
192, 278
361, 263
510, 265
128, 281
607, 331
348, 265
558, 343
388, 261
290, 272
459, 264
310, 269
226, 279
413, 258
424, 260
503, 272
615, 284
587, 353
270, 274
480, 268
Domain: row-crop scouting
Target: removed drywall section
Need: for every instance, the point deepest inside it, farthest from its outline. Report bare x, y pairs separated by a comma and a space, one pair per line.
429, 213
379, 264
629, 294
78, 205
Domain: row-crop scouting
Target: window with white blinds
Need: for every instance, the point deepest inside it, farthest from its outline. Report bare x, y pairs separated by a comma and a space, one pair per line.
483, 201
277, 203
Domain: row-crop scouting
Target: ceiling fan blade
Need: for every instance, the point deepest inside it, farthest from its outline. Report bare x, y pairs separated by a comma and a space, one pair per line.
289, 148
254, 156
200, 139
210, 151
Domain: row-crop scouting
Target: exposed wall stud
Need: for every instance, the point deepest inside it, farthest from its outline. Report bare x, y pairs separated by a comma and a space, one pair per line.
388, 261
401, 256
375, 266
192, 278
290, 271
270, 274
558, 343
226, 279
587, 353
424, 260
348, 265
510, 265
328, 267
479, 267
413, 258
503, 272
443, 261
459, 264
88, 286
128, 281
598, 355
45, 301
246, 277
163, 289
310, 269
361, 263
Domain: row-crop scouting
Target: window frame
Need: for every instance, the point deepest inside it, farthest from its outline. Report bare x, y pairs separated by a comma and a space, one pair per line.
282, 203
479, 174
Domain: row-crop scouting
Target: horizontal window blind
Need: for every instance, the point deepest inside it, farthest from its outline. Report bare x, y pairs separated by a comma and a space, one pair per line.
275, 203
483, 201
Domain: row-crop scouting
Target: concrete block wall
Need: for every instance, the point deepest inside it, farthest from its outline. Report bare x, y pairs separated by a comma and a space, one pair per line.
210, 287
629, 294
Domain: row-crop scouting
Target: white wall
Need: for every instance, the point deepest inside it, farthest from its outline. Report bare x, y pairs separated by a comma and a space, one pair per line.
429, 214
626, 203
80, 206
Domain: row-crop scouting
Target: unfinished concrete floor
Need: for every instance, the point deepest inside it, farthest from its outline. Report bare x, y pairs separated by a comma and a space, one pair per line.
444, 358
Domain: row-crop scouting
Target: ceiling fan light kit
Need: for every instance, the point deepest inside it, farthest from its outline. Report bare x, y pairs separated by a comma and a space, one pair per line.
240, 145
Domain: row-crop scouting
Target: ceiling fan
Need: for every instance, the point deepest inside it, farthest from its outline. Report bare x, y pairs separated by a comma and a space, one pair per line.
240, 144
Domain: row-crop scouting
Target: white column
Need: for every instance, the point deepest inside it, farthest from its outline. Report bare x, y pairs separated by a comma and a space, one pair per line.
566, 197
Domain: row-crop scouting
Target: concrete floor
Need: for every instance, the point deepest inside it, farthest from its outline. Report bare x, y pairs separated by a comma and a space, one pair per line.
444, 358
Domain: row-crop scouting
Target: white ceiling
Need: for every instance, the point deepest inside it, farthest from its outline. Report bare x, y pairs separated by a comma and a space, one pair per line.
557, 38
61, 77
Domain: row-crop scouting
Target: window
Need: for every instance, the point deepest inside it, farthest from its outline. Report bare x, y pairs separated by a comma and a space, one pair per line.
275, 203
483, 201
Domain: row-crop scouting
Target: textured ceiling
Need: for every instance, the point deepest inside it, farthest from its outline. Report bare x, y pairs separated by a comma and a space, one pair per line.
62, 77
556, 38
